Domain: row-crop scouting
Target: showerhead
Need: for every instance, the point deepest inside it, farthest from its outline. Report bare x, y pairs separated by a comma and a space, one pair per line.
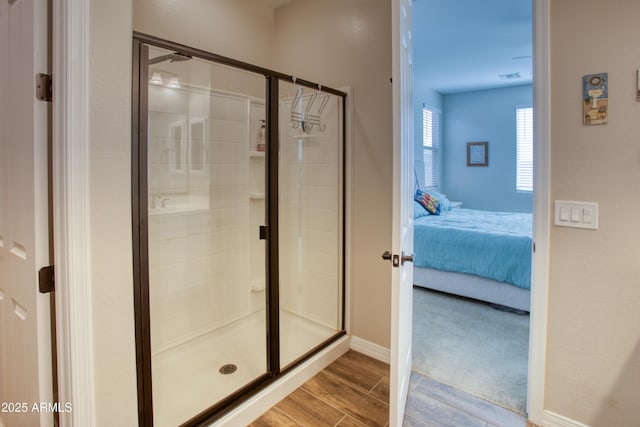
171, 57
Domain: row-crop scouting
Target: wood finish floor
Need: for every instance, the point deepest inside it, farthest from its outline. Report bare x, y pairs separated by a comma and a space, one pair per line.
354, 391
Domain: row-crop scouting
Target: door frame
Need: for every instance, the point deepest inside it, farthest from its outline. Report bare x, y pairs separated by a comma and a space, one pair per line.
541, 211
71, 237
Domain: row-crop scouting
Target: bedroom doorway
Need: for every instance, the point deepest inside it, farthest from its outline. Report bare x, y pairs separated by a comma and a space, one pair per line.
514, 83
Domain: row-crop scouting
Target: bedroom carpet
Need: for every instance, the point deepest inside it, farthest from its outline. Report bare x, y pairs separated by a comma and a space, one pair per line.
472, 347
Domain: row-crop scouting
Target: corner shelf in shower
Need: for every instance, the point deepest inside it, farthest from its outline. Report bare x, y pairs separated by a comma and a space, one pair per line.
257, 202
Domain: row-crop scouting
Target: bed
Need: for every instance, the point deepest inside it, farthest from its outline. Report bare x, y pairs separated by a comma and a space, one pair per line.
477, 254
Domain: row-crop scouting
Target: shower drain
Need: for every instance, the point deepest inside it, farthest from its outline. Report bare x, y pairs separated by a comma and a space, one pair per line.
227, 369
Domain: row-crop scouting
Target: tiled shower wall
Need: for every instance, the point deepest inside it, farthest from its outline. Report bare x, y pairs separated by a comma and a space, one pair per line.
206, 263
199, 278
310, 217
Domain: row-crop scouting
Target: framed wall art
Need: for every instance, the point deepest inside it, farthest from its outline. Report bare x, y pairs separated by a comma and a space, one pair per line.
595, 98
477, 153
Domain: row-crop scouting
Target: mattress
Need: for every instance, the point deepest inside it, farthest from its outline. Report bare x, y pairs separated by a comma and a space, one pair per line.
494, 245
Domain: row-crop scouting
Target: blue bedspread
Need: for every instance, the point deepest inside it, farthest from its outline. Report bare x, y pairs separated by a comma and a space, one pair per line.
495, 245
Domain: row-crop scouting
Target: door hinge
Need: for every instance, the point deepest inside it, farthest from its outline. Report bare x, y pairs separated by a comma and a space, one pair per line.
46, 280
44, 88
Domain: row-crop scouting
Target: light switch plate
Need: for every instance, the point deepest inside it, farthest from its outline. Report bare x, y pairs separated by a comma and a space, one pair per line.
576, 214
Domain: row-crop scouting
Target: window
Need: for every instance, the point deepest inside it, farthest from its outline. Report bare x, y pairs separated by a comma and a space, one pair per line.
431, 146
524, 156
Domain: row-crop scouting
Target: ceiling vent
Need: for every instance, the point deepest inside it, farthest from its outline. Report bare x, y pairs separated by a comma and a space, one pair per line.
510, 76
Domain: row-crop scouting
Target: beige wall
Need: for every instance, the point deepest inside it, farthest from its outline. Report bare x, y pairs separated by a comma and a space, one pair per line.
348, 43
240, 29
110, 210
593, 354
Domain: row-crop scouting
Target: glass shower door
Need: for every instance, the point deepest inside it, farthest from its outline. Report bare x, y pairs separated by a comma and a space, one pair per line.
311, 176
238, 240
205, 202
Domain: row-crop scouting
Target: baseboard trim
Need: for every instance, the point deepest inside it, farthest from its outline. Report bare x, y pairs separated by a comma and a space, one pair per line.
263, 401
551, 419
370, 349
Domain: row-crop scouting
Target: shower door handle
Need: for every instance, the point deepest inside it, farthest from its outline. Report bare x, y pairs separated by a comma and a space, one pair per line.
264, 232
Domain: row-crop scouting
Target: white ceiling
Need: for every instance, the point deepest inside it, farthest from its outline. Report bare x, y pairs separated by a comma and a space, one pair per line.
464, 45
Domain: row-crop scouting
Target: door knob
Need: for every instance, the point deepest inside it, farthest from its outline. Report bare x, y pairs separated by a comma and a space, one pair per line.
388, 256
406, 258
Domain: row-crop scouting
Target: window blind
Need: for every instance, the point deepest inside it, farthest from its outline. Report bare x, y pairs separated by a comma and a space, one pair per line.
431, 146
524, 167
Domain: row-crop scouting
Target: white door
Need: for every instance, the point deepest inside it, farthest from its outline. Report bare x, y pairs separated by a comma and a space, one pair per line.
25, 338
403, 189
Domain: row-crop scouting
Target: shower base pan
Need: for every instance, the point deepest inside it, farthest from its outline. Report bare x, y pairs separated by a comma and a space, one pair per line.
187, 378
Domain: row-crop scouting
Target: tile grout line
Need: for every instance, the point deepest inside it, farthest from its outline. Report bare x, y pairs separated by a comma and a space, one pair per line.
286, 415
354, 419
419, 380
340, 420
344, 414
455, 408
324, 401
351, 387
344, 381
366, 368
291, 416
428, 423
353, 363
375, 385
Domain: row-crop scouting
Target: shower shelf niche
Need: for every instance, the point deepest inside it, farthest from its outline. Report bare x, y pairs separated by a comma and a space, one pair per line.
257, 286
257, 203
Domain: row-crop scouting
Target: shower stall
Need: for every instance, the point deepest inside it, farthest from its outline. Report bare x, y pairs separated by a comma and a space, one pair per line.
238, 218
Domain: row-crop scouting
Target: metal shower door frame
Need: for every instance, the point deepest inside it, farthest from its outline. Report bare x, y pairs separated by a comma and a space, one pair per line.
139, 194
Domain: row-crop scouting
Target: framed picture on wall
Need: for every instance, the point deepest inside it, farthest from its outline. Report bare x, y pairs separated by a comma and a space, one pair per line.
596, 99
477, 153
